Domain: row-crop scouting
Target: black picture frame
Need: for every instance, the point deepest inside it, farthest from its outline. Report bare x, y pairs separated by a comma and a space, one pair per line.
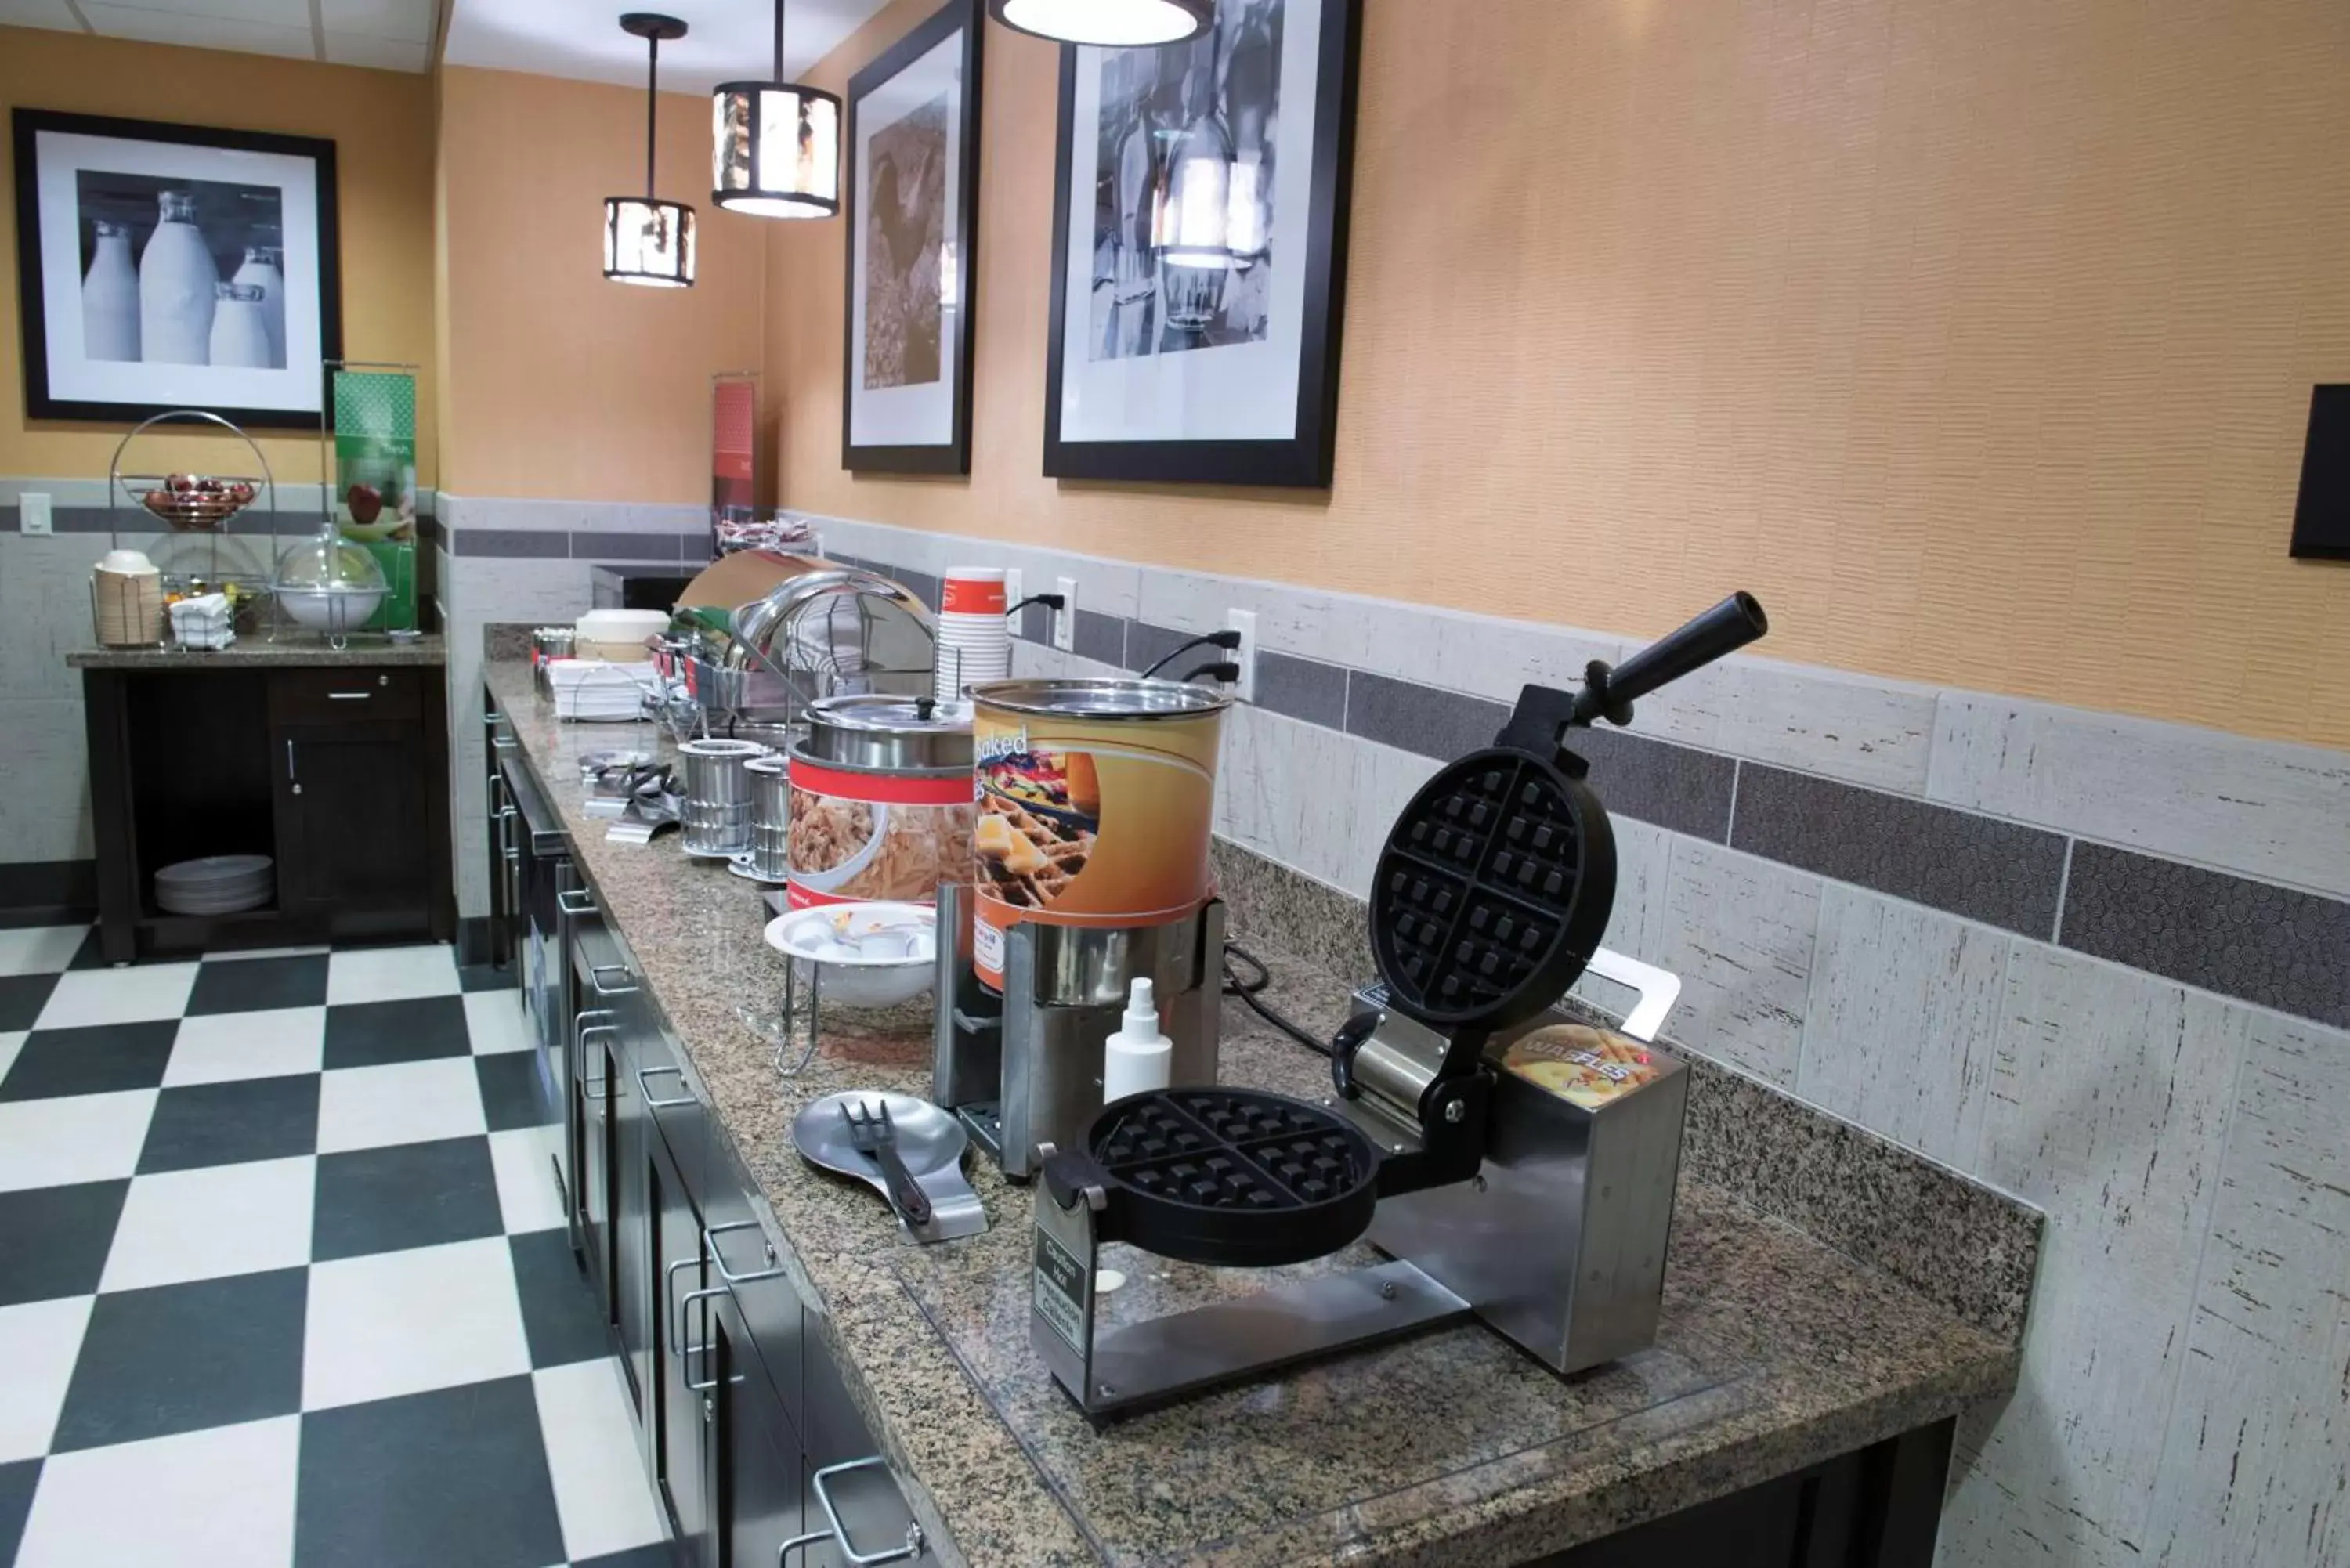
951, 456
28, 124
1306, 458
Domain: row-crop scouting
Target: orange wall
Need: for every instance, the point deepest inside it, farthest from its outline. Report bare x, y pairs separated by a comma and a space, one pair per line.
1975, 336
565, 386
382, 123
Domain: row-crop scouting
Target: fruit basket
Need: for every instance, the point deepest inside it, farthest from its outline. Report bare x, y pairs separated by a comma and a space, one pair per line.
192, 503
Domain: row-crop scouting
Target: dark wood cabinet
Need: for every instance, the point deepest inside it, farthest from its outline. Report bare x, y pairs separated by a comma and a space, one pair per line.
339, 774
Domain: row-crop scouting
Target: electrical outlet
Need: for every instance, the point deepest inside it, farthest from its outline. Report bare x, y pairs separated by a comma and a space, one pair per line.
33, 513
1065, 619
1013, 595
1244, 622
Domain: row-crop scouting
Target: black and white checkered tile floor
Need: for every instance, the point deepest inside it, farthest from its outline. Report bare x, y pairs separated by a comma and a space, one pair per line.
282, 1277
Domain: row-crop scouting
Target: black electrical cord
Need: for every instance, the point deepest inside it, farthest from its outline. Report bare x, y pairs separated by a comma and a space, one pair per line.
1227, 640
1051, 601
1246, 989
1226, 672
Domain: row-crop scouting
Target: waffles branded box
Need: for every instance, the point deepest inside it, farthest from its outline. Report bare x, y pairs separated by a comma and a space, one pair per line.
1561, 1242
1097, 799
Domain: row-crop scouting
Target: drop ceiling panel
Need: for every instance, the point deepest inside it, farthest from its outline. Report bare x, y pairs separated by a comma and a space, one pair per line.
410, 21
199, 32
275, 13
728, 39
54, 14
381, 53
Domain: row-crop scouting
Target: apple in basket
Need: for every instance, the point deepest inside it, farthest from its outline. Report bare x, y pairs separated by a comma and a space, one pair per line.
366, 502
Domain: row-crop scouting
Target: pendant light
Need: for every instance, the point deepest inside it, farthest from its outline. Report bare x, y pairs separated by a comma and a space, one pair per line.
647, 240
774, 145
1112, 24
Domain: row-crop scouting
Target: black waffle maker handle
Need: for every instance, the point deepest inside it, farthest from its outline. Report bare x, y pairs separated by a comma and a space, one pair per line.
1544, 713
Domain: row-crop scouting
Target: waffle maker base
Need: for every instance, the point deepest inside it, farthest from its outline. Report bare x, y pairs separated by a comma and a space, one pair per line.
1234, 1177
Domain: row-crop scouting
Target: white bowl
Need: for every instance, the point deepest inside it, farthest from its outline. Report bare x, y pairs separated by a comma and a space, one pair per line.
869, 954
330, 610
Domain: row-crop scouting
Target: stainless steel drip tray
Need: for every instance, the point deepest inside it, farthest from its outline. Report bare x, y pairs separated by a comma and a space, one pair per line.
1423, 1424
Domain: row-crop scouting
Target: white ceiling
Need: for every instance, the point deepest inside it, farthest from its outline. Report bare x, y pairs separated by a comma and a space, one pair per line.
727, 40
390, 35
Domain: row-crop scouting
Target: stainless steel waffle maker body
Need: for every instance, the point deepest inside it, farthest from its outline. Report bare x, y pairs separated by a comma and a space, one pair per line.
1514, 1164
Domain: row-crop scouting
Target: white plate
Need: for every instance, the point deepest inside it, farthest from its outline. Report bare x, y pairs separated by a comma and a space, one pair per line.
211, 870
851, 977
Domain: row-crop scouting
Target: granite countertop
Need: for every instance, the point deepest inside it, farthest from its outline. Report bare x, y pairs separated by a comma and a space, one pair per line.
1775, 1350
303, 650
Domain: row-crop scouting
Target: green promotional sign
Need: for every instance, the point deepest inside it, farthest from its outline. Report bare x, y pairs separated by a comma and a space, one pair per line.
375, 481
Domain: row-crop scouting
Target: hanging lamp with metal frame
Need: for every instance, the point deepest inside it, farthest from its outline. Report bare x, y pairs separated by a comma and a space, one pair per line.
1111, 24
774, 145
647, 240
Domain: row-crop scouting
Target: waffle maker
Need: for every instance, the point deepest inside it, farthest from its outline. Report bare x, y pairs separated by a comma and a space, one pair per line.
1513, 1164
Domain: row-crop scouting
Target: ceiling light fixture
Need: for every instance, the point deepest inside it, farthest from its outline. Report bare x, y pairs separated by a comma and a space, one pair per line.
1112, 24
774, 145
647, 240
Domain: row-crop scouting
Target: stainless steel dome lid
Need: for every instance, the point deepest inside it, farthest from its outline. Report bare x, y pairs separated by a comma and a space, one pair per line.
887, 734
1084, 699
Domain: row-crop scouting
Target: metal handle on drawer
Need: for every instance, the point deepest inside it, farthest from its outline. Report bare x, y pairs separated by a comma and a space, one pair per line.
596, 973
669, 1300
674, 1101
348, 696
839, 1532
504, 742
586, 1091
585, 903
718, 1260
683, 1307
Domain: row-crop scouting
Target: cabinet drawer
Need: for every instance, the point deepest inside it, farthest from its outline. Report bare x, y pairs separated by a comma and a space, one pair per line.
355, 695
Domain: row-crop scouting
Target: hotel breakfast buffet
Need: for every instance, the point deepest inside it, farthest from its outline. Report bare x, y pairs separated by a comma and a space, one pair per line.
1141, 783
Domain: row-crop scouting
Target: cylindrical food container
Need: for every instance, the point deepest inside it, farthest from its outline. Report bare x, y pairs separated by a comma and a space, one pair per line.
1097, 802
717, 818
881, 800
771, 818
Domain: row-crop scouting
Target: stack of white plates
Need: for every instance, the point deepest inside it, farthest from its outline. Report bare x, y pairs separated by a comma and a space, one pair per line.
215, 884
592, 690
974, 638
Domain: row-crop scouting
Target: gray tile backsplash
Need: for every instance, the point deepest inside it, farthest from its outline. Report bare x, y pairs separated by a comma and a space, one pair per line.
1147, 644
1420, 719
1101, 637
1304, 689
1677, 787
2271, 945
601, 545
1978, 866
511, 544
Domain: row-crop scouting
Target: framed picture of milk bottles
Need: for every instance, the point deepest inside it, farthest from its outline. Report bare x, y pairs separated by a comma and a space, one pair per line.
1199, 251
172, 266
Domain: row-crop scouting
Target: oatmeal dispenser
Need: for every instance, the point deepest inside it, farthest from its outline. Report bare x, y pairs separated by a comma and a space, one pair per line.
1096, 803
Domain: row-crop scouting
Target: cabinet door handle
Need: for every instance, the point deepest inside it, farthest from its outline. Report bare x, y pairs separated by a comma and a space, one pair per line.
348, 696
289, 759
669, 1301
577, 902
718, 1260
654, 1104
601, 1089
683, 1307
596, 973
838, 1532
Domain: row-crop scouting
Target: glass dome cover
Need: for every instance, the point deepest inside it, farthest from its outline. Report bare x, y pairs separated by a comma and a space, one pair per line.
326, 562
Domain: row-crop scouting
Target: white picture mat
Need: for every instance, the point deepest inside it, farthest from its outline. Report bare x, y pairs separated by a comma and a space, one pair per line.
1241, 391
74, 377
921, 415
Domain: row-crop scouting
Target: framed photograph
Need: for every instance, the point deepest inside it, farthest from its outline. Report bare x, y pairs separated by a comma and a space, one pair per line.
1199, 251
913, 229
174, 266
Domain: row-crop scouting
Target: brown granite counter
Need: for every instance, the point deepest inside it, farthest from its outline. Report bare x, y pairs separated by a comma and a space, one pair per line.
1776, 1349
257, 649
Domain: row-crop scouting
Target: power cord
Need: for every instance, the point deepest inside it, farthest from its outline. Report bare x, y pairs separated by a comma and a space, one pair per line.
1228, 639
1227, 672
1246, 989
1051, 601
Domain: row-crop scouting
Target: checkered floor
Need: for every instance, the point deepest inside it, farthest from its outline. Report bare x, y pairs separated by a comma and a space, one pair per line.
282, 1277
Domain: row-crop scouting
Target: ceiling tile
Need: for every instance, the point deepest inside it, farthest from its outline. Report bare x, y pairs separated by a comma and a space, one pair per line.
383, 53
410, 21
38, 14
198, 32
730, 40
275, 13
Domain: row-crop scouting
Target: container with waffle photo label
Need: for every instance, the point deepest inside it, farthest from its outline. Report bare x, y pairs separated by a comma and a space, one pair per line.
1088, 818
1589, 1068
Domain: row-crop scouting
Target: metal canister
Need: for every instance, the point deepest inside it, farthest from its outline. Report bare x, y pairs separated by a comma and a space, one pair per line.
880, 800
717, 819
547, 644
771, 817
1097, 805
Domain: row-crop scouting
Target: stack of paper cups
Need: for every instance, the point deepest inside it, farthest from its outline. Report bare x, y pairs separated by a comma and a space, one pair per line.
974, 639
